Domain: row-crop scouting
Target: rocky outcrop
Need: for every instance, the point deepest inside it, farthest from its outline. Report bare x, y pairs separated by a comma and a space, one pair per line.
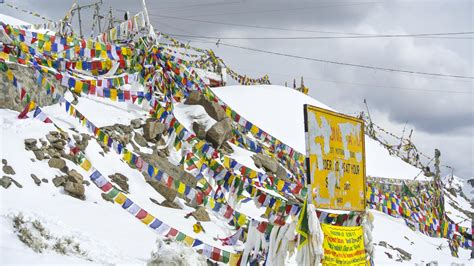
219, 132
266, 162
136, 123
120, 180
59, 180
170, 204
74, 189
213, 109
75, 177
199, 130
153, 129
200, 214
167, 193
169, 168
140, 140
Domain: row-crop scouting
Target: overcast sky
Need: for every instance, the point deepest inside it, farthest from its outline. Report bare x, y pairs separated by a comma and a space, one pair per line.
439, 109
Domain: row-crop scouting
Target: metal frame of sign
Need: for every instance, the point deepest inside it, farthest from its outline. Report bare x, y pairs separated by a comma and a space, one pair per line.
307, 160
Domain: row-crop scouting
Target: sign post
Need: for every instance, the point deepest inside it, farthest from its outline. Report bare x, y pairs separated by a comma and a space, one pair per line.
335, 159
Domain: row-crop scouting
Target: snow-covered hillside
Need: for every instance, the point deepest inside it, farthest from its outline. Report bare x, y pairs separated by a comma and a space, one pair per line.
161, 196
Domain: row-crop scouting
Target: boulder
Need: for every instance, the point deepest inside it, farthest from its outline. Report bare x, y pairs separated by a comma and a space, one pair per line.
140, 140
59, 180
281, 173
5, 182
268, 163
199, 130
213, 109
30, 144
36, 179
59, 145
74, 189
136, 123
219, 132
39, 154
75, 177
56, 163
52, 137
169, 168
201, 214
120, 180
168, 193
8, 170
152, 129
170, 204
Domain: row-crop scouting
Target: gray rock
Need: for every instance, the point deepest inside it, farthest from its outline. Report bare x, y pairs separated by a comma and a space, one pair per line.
199, 130
52, 137
268, 163
59, 180
5, 182
65, 169
75, 190
106, 197
75, 177
213, 109
136, 123
170, 204
201, 214
30, 144
140, 140
120, 180
44, 180
59, 145
281, 173
36, 179
16, 183
39, 154
405, 255
4, 161
219, 132
152, 129
86, 182
173, 170
56, 163
8, 170
226, 148
168, 193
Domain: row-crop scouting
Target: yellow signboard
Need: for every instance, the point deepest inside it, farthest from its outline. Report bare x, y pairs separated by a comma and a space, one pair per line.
343, 245
335, 162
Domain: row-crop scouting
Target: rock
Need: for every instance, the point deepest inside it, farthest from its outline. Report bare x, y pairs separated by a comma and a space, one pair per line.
199, 130
281, 173
4, 161
405, 255
173, 170
268, 163
152, 129
44, 180
53, 152
8, 170
30, 144
120, 180
136, 123
154, 201
170, 204
74, 189
36, 179
106, 197
168, 193
201, 214
52, 138
59, 145
56, 163
16, 183
65, 169
140, 140
213, 109
226, 148
383, 244
219, 132
59, 180
5, 182
75, 177
39, 154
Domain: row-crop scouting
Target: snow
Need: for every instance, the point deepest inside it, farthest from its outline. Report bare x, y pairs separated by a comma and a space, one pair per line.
279, 111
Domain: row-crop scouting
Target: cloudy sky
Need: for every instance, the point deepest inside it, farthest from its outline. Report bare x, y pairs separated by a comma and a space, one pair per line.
439, 109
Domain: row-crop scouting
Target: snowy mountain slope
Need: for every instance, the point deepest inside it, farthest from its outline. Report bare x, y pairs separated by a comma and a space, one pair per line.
271, 107
107, 224
11, 20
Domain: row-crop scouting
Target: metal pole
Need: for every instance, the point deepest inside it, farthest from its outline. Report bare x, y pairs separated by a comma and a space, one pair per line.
80, 21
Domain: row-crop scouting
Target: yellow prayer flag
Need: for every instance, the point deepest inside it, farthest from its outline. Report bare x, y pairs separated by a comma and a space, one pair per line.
86, 165
188, 241
181, 188
120, 199
148, 219
78, 87
113, 94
